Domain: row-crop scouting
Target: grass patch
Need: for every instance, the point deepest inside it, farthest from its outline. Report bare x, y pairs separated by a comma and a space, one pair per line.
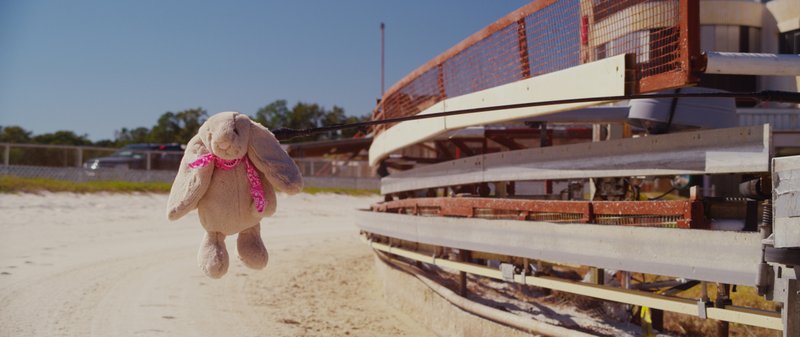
336, 190
12, 184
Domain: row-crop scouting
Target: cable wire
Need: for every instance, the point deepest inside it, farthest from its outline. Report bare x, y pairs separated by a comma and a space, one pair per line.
764, 96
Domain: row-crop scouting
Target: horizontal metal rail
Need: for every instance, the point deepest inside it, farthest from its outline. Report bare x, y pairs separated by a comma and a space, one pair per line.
732, 150
752, 64
754, 317
715, 256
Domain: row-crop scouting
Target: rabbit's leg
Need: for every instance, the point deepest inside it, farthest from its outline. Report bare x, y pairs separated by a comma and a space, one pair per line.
251, 249
213, 256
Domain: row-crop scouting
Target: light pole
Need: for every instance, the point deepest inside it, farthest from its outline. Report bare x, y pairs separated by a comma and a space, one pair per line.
383, 27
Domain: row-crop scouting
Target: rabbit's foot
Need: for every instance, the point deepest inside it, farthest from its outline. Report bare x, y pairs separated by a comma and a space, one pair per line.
213, 256
251, 248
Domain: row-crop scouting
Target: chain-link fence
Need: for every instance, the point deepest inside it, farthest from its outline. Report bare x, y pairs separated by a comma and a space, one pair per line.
83, 163
78, 174
310, 167
50, 155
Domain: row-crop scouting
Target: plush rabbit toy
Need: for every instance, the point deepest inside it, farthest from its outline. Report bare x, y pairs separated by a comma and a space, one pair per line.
228, 172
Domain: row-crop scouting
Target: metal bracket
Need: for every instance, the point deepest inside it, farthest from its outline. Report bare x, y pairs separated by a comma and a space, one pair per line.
702, 308
508, 271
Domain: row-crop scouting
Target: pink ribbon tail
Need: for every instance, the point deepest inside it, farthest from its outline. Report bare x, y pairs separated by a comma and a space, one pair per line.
256, 189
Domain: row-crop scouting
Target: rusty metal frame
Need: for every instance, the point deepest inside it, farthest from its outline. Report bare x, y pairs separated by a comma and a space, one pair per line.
688, 65
689, 58
686, 213
512, 17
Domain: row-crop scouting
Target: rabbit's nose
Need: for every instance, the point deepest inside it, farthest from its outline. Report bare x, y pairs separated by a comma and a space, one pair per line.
224, 145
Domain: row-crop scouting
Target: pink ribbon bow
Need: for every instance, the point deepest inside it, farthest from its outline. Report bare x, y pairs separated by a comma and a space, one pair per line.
256, 189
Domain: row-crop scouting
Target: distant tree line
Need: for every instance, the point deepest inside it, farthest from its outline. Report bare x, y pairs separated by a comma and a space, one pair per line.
180, 127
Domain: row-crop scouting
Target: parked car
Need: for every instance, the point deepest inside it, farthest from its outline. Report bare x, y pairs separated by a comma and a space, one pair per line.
134, 156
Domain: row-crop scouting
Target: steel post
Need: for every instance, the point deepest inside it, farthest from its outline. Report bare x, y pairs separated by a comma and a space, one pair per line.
78, 156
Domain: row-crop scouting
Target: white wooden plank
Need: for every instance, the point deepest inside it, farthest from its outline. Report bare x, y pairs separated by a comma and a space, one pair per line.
607, 79
733, 150
717, 256
408, 133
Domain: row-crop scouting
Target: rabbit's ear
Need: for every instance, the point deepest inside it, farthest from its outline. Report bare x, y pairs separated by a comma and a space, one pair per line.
267, 155
191, 183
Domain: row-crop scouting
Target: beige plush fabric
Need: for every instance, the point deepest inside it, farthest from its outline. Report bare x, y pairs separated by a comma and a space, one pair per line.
222, 197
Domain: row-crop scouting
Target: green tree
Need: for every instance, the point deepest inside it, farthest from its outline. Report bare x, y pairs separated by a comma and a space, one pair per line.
165, 130
178, 127
189, 122
133, 136
106, 143
274, 115
352, 132
62, 137
14, 134
305, 116
333, 117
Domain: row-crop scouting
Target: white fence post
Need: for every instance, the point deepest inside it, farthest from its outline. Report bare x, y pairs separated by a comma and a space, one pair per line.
7, 155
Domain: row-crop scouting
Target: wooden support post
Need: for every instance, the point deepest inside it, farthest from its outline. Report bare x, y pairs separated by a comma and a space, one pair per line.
791, 306
7, 154
597, 275
463, 256
722, 300
703, 291
78, 157
657, 319
500, 189
626, 284
615, 131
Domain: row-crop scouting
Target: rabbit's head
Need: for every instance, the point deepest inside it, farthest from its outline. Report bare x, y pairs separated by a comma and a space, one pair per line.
232, 135
227, 134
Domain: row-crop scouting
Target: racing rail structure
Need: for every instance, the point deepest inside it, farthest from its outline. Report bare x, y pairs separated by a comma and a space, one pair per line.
453, 192
669, 238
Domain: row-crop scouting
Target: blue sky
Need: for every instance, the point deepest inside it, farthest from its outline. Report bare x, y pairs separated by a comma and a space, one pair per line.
95, 66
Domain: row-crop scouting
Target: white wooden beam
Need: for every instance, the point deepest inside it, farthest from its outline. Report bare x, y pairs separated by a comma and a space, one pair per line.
601, 78
733, 150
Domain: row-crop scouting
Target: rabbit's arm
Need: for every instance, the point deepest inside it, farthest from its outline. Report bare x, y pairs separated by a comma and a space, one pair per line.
267, 155
191, 183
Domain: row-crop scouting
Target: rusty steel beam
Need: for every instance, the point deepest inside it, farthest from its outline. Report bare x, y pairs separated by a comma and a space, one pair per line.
684, 213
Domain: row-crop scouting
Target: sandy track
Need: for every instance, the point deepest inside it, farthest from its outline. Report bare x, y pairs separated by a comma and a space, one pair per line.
111, 265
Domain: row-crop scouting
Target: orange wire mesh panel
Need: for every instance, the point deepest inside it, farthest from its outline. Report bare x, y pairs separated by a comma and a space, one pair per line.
546, 36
